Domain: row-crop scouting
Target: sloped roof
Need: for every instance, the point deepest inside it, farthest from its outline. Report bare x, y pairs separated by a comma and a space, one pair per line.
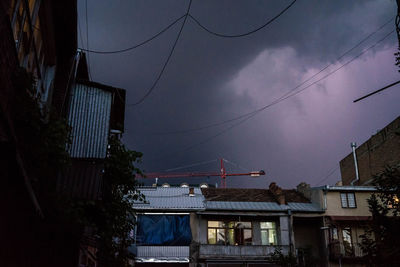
170, 198
261, 206
250, 195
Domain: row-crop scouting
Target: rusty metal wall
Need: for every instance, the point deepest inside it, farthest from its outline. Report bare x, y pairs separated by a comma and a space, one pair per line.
89, 117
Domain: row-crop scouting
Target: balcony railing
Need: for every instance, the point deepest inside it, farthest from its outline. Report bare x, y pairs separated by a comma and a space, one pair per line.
233, 252
345, 250
162, 254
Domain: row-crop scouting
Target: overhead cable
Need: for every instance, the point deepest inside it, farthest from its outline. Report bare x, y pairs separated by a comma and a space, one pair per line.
332, 171
191, 165
255, 112
137, 45
242, 34
166, 62
284, 95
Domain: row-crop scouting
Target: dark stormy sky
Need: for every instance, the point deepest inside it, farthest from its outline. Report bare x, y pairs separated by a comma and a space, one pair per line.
210, 79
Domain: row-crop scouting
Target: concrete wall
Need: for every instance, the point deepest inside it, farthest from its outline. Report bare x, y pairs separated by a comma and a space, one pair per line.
308, 235
381, 149
334, 206
238, 252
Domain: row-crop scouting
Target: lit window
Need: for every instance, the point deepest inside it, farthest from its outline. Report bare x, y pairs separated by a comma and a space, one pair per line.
229, 233
348, 200
268, 233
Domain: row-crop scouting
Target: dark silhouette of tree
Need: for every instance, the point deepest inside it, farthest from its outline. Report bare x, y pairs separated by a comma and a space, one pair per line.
381, 241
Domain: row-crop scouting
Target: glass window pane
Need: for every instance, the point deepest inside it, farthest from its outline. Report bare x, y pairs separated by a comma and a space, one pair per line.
267, 225
351, 200
334, 233
264, 237
272, 237
248, 238
230, 224
221, 236
212, 236
343, 199
347, 235
215, 224
231, 237
243, 224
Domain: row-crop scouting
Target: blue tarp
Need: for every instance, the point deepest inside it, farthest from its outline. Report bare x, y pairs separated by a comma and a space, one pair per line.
166, 230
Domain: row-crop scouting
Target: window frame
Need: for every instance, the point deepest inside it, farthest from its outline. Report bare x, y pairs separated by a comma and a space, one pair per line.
226, 229
347, 200
266, 229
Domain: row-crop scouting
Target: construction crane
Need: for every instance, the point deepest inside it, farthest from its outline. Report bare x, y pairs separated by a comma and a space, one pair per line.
223, 174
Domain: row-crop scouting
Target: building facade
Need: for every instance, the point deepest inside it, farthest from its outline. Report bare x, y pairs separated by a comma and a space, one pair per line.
380, 150
223, 227
345, 218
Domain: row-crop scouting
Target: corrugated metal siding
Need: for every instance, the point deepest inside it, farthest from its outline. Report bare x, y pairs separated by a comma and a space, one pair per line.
163, 254
170, 198
89, 117
82, 180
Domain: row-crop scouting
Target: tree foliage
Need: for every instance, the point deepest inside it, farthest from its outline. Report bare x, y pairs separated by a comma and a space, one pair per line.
113, 217
381, 242
41, 136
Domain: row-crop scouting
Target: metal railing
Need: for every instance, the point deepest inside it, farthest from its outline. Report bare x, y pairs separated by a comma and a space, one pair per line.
345, 250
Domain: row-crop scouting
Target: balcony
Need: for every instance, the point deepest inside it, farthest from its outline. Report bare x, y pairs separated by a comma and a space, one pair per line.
345, 251
166, 254
238, 252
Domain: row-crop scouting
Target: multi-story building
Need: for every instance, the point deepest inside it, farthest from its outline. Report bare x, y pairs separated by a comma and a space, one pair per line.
345, 218
216, 226
39, 36
372, 156
167, 225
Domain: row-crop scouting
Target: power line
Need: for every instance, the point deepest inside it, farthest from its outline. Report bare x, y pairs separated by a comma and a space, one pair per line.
137, 45
377, 91
242, 34
283, 96
191, 165
332, 171
166, 62
252, 114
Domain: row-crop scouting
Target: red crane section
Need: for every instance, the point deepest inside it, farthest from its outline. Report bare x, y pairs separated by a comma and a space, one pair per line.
223, 174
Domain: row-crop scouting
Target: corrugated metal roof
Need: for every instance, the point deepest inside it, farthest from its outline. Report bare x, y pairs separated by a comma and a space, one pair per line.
89, 117
256, 206
170, 198
261, 206
349, 188
306, 207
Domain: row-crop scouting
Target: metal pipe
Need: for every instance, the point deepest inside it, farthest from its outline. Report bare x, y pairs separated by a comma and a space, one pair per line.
353, 148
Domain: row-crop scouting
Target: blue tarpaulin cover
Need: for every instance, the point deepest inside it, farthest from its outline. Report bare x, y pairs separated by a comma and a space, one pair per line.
165, 230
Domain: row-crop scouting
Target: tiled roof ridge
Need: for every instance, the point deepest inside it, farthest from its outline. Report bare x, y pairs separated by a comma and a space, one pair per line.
274, 194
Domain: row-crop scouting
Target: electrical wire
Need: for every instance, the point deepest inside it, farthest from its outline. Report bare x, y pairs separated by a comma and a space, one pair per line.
252, 114
332, 171
137, 45
284, 95
191, 165
166, 62
242, 34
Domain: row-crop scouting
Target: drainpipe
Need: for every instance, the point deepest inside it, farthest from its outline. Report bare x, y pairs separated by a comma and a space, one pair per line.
353, 147
290, 232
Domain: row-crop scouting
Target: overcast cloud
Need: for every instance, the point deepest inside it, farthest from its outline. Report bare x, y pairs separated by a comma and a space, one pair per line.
211, 79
